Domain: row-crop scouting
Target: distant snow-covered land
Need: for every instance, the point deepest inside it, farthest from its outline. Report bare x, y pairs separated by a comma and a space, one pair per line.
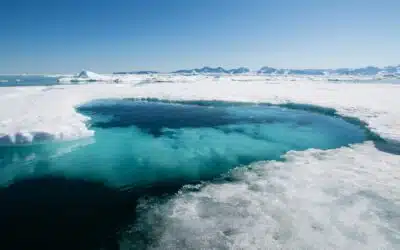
389, 71
342, 74
369, 71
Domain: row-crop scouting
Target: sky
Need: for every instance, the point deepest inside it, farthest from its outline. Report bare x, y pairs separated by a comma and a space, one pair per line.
66, 36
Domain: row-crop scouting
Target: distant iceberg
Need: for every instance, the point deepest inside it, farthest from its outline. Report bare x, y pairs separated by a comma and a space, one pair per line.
209, 70
141, 72
86, 76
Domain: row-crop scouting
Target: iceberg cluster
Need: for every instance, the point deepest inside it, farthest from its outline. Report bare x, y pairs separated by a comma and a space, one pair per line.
141, 77
209, 70
86, 76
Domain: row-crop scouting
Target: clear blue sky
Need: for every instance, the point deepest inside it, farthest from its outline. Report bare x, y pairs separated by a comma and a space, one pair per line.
61, 36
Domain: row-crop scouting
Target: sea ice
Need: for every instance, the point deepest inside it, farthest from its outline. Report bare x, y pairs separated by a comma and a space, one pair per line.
51, 110
345, 198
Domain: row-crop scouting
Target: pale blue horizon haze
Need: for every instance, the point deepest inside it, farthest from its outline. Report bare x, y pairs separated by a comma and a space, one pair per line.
105, 36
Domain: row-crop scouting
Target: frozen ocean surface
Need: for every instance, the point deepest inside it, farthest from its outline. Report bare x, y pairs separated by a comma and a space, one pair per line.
323, 194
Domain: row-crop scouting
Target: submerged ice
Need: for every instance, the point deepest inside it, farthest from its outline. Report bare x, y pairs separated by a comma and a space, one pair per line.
159, 143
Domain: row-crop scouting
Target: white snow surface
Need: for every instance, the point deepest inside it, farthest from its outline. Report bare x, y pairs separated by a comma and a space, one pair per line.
345, 198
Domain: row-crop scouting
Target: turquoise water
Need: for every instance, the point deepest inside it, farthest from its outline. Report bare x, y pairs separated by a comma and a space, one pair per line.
144, 148
141, 143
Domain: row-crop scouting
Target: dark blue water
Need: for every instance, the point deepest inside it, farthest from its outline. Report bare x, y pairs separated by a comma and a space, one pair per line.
84, 192
26, 80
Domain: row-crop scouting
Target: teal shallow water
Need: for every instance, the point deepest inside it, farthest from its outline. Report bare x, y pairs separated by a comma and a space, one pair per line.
80, 194
141, 143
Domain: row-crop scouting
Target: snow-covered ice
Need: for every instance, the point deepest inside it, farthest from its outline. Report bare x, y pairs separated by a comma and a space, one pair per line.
346, 198
41, 113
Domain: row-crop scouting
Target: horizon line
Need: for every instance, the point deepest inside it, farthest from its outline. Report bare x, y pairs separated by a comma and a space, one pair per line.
212, 67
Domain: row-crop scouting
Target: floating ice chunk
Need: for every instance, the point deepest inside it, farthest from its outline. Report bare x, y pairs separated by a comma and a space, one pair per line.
87, 76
